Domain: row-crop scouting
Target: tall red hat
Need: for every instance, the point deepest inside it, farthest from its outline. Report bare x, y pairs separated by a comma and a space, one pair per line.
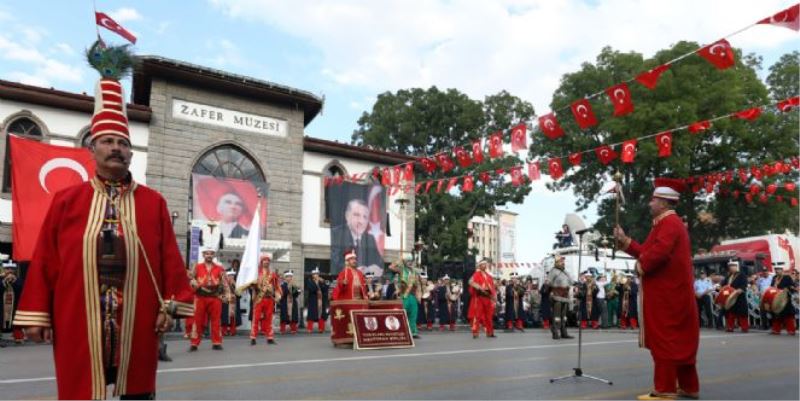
668, 188
110, 113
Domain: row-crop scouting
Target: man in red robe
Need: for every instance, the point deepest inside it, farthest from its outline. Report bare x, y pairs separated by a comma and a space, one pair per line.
266, 290
106, 277
351, 283
209, 284
483, 296
669, 322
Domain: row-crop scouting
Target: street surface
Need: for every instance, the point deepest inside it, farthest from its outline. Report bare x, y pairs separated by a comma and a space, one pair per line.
441, 366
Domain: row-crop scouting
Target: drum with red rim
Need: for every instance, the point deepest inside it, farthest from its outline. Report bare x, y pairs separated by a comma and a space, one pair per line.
774, 300
341, 326
727, 297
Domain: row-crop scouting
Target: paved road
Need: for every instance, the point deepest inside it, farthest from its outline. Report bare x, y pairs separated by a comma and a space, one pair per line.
442, 366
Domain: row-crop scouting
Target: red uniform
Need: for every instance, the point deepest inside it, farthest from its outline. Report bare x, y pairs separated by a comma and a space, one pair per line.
350, 284
786, 317
62, 288
207, 303
670, 324
481, 306
267, 288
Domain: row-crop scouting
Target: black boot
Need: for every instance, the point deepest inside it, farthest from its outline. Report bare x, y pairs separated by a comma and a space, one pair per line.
162, 353
556, 336
564, 333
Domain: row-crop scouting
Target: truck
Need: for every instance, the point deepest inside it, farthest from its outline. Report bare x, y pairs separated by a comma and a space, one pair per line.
754, 254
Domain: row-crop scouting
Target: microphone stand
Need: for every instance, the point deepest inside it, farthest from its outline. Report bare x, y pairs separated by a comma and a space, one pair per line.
578, 371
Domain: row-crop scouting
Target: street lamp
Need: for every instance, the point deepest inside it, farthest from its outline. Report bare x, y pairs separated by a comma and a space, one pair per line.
419, 246
402, 201
174, 217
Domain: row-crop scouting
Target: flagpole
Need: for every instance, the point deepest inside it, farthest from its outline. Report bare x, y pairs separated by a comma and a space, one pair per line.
96, 28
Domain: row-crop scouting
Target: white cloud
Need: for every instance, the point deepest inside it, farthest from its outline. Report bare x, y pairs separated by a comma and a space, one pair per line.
65, 49
125, 14
42, 70
226, 54
482, 47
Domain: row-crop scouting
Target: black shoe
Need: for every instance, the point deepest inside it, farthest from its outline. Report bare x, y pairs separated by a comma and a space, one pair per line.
216, 347
474, 336
566, 336
192, 348
416, 336
556, 336
271, 341
252, 341
162, 354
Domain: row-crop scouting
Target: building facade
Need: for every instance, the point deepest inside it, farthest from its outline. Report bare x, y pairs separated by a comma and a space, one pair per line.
494, 236
187, 120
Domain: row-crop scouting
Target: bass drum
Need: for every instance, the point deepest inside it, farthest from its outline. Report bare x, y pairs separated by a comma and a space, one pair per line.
727, 297
774, 300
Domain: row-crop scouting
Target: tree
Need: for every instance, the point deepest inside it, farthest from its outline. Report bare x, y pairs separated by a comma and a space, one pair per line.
424, 122
691, 90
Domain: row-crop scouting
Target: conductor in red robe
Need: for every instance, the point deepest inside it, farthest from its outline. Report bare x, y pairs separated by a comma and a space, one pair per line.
106, 275
669, 324
351, 283
209, 283
482, 295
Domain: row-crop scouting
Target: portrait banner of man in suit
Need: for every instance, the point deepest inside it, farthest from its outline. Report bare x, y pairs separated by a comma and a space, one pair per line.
358, 219
228, 202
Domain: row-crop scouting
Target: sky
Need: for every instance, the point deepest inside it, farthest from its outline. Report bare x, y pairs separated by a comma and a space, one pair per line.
351, 51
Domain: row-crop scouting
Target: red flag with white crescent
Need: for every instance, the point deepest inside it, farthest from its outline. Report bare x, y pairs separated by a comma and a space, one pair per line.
605, 154
533, 171
584, 116
664, 142
719, 53
519, 138
445, 162
629, 151
516, 176
554, 168
462, 157
469, 184
485, 177
749, 114
575, 158
699, 126
106, 22
496, 145
38, 171
650, 78
620, 96
428, 165
789, 103
788, 18
477, 150
550, 126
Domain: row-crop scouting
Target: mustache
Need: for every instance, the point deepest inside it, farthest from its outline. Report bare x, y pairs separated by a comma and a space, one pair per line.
116, 156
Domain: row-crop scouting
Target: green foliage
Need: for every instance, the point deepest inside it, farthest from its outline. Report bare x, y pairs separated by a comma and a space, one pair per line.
424, 122
691, 90
113, 62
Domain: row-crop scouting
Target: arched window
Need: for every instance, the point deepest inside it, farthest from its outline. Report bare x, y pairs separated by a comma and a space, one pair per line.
24, 127
332, 170
228, 161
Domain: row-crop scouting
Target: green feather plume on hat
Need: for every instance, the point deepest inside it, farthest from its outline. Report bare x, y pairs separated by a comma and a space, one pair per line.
113, 62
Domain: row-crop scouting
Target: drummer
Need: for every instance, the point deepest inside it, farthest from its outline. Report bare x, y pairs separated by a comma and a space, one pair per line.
785, 317
733, 300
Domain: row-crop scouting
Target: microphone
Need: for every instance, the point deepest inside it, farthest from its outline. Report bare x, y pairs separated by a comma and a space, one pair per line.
584, 231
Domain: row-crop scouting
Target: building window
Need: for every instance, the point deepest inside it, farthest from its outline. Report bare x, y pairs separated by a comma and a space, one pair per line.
228, 161
23, 127
332, 170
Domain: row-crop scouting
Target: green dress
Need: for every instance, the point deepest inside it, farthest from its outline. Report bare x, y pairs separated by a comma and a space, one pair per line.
409, 278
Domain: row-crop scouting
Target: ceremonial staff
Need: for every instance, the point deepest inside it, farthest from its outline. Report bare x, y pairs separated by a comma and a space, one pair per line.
619, 198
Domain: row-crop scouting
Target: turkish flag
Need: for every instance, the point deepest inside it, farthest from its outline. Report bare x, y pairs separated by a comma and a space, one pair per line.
451, 183
106, 22
462, 157
605, 154
664, 142
469, 184
650, 78
516, 176
477, 150
38, 171
620, 96
788, 18
550, 127
749, 114
699, 126
519, 138
409, 171
583, 113
445, 162
496, 145
428, 186
719, 53
485, 177
397, 172
533, 171
439, 184
575, 158
554, 168
429, 165
787, 104
629, 151
386, 177
418, 188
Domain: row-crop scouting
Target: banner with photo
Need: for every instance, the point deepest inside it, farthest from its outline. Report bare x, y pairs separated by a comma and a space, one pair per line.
228, 204
357, 216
